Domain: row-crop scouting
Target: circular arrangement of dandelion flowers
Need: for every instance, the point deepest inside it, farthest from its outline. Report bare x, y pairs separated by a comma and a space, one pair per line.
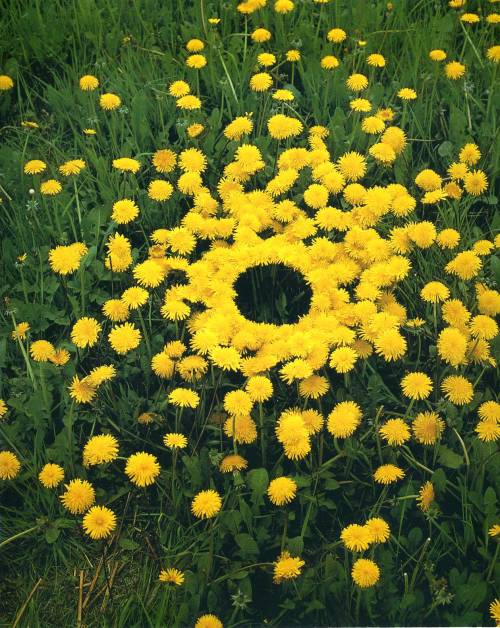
326, 268
225, 266
254, 314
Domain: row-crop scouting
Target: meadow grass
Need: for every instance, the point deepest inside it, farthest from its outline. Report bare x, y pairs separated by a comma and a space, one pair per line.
440, 566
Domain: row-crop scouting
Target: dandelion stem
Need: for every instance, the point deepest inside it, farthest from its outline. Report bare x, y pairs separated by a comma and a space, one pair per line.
146, 338
228, 77
25, 356
493, 562
82, 288
19, 535
464, 449
419, 561
285, 530
78, 210
44, 388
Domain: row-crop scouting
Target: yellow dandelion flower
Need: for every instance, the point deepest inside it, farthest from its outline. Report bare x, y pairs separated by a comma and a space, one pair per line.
336, 35
454, 70
352, 165
428, 180
85, 332
124, 211
126, 164
465, 265
388, 473
196, 61
437, 55
72, 167
329, 62
6, 83
284, 95
164, 160
35, 166
382, 152
395, 432
373, 125
208, 621
241, 428
489, 411
488, 431
261, 82
448, 238
88, 83
175, 441
493, 53
281, 491
206, 504
434, 292
357, 82
51, 475
379, 529
66, 259
100, 449
78, 496
177, 89
261, 35
51, 187
292, 55
82, 390
287, 567
427, 427
390, 344
233, 462
343, 359
457, 389
188, 102
142, 468
376, 60
365, 573
42, 350
426, 496
20, 331
172, 576
344, 419
406, 93
416, 385
360, 104
494, 530
184, 398
195, 129
475, 182
281, 127
314, 387
9, 465
495, 611
259, 388
99, 522
124, 338
100, 374
452, 346
116, 310
356, 538
470, 18
109, 102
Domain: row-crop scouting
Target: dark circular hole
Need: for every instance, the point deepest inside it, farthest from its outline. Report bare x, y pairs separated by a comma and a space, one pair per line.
272, 293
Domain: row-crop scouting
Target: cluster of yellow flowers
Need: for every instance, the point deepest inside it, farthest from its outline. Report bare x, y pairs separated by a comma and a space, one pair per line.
331, 234
343, 223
